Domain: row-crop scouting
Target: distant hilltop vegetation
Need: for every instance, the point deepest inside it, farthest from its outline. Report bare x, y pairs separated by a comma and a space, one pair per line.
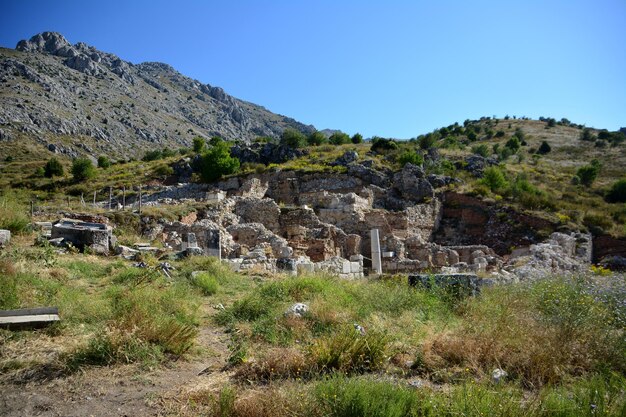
78, 99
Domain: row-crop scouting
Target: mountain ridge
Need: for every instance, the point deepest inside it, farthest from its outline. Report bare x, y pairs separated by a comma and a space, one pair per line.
75, 99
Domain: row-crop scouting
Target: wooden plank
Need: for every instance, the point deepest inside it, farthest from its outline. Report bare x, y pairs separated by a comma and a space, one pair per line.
29, 311
32, 321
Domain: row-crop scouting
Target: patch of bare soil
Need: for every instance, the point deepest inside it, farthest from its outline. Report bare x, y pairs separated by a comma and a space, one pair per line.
127, 390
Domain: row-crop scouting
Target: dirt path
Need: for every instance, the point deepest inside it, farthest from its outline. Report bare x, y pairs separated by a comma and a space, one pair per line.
123, 390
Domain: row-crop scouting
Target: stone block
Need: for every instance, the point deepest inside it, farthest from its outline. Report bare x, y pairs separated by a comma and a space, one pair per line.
355, 267
5, 237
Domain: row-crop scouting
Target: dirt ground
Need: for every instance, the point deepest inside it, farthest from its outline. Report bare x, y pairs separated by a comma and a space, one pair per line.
125, 390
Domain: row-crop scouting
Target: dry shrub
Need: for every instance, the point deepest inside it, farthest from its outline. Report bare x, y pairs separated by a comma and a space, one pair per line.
266, 403
277, 363
538, 335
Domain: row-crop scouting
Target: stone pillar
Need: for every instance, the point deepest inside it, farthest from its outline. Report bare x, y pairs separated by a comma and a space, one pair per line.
213, 245
376, 261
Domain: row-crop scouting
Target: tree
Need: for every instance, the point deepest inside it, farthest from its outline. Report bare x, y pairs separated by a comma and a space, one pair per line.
339, 138
357, 138
293, 138
83, 169
103, 162
53, 168
544, 148
217, 162
317, 138
617, 193
198, 144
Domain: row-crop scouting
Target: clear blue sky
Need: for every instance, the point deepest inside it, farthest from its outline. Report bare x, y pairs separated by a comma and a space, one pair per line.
388, 68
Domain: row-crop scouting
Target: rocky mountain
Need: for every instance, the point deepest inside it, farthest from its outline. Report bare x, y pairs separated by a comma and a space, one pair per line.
75, 99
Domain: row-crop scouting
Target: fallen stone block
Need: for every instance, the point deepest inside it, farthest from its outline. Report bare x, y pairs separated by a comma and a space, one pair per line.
5, 237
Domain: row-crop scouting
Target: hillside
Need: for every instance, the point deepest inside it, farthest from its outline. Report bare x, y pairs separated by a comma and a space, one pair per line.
75, 99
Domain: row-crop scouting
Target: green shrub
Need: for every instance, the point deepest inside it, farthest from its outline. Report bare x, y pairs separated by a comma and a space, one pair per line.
339, 138
380, 145
410, 156
349, 397
9, 298
617, 193
103, 162
482, 150
357, 138
217, 162
587, 135
152, 155
544, 148
83, 169
293, 138
317, 138
494, 178
53, 168
429, 140
163, 170
13, 214
198, 144
513, 144
206, 282
349, 352
588, 173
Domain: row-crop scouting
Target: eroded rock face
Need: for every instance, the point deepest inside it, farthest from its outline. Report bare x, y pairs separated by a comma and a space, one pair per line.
52, 88
410, 182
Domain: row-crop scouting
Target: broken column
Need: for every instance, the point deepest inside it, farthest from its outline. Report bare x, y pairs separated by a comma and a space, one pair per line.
376, 261
213, 246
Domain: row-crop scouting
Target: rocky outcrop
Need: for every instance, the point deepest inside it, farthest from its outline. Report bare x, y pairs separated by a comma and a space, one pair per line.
51, 88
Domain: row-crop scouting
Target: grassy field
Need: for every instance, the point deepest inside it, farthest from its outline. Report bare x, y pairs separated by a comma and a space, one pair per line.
562, 342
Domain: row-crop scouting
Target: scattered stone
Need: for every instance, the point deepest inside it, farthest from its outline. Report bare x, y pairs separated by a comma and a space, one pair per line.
347, 158
498, 375
360, 329
297, 310
5, 237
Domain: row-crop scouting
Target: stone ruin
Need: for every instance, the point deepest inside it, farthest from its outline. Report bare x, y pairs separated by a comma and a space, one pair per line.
96, 237
361, 222
297, 223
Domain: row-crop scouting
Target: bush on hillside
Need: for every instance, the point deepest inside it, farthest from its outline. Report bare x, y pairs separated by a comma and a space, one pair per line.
293, 138
103, 162
217, 162
83, 169
357, 138
381, 144
412, 157
544, 148
339, 138
53, 168
198, 144
494, 179
617, 193
482, 150
588, 173
316, 139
